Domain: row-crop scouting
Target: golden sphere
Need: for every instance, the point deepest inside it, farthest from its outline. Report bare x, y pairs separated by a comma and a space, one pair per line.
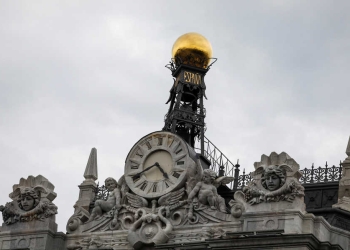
192, 48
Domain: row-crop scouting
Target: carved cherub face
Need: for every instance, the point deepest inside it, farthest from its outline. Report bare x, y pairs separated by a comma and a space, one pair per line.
206, 179
28, 199
273, 177
110, 184
208, 176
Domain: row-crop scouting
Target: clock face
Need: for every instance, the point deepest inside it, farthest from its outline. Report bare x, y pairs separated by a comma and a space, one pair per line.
157, 164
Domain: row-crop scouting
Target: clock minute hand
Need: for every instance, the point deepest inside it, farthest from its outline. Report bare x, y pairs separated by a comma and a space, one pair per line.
161, 170
139, 174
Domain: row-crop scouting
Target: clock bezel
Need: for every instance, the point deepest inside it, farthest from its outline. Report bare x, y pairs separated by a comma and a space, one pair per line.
187, 155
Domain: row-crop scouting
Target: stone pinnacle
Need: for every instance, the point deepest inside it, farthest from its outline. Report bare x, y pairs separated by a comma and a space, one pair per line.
91, 167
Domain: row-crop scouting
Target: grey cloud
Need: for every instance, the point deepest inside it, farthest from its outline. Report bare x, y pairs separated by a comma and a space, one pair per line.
77, 75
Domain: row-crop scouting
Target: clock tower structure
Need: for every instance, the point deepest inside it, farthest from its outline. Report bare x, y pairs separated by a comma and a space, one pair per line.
191, 60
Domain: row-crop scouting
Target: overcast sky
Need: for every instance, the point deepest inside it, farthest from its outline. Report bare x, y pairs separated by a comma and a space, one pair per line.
81, 74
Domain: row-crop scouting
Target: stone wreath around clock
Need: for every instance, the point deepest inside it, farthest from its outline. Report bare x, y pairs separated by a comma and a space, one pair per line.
157, 164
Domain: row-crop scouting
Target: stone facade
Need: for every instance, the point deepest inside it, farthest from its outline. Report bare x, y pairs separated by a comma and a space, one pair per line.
268, 213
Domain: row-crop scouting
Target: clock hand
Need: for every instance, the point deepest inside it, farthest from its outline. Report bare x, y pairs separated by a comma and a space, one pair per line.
161, 170
139, 174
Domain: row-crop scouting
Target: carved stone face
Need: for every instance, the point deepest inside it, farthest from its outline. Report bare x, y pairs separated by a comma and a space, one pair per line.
28, 199
272, 182
110, 185
206, 178
27, 203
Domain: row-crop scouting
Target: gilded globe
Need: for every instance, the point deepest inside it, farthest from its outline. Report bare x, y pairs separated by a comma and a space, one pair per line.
193, 49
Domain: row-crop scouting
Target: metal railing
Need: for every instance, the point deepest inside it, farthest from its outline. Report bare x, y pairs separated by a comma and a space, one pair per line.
219, 162
309, 175
321, 175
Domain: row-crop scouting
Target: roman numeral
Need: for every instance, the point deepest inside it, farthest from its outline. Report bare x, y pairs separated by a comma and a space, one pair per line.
178, 151
134, 164
170, 141
175, 146
154, 188
135, 179
168, 183
148, 145
179, 157
160, 141
143, 185
176, 175
139, 154
140, 150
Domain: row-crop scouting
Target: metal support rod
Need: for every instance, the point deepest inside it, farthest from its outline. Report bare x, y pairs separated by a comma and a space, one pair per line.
235, 184
202, 129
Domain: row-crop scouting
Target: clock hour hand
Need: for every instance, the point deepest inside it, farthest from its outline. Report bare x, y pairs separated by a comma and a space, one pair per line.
146, 169
161, 170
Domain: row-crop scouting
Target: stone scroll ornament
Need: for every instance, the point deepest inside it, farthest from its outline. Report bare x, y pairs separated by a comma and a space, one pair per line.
275, 179
32, 200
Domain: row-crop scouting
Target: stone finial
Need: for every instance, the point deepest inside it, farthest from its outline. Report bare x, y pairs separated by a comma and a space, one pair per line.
348, 151
91, 167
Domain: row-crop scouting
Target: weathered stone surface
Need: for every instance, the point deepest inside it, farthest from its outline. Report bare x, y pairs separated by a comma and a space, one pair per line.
32, 226
100, 240
40, 240
91, 167
294, 224
344, 183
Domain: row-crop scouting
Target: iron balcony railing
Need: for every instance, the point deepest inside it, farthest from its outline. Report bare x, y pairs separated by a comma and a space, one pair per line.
223, 166
309, 175
219, 162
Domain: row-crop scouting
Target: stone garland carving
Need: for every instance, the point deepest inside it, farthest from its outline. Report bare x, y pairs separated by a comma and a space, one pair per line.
276, 179
32, 200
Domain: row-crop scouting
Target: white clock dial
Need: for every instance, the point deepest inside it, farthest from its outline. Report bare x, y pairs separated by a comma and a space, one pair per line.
157, 164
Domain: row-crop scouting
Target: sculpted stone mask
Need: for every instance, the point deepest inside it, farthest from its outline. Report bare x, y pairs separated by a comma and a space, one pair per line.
273, 177
272, 182
27, 203
28, 199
